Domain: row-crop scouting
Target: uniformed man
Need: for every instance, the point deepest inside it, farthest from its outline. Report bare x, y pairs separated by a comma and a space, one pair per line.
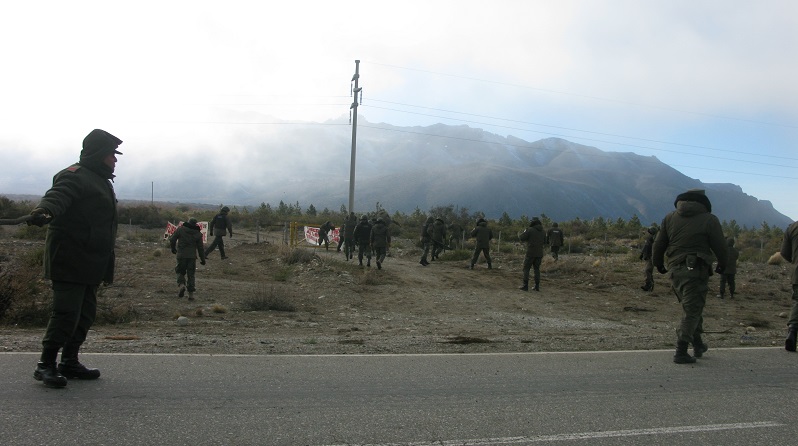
483, 236
380, 240
534, 238
426, 239
645, 255
689, 236
363, 240
79, 254
789, 251
438, 237
186, 244
554, 237
220, 224
730, 273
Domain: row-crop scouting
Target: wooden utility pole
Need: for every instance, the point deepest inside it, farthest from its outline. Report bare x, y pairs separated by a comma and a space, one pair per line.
353, 110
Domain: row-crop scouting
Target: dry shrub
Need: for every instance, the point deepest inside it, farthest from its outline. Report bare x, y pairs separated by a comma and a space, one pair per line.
369, 277
267, 300
23, 299
108, 313
776, 259
219, 309
297, 255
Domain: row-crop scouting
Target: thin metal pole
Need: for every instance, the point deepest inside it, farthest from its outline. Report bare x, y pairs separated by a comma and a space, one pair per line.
353, 107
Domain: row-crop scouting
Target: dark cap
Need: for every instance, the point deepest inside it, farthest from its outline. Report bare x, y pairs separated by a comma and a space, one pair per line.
100, 141
697, 195
192, 220
535, 221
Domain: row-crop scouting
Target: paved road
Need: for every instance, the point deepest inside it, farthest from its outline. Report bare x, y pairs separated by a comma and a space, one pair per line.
732, 397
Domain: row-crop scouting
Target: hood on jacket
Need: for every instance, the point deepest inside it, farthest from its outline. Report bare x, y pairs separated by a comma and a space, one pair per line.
690, 208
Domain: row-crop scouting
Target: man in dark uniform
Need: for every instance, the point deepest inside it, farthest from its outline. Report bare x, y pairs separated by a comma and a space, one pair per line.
645, 255
348, 235
186, 243
363, 239
380, 240
689, 236
554, 237
730, 273
438, 237
219, 224
483, 236
455, 235
789, 251
426, 239
534, 237
79, 254
323, 234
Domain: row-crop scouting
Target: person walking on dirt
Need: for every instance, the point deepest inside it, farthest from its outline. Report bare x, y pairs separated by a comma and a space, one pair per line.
728, 275
455, 235
219, 224
80, 209
645, 255
380, 240
483, 236
186, 243
534, 238
438, 237
323, 234
554, 237
789, 251
689, 236
348, 235
426, 240
363, 239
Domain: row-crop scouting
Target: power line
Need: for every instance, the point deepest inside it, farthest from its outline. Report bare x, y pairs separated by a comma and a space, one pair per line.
598, 98
603, 154
598, 140
568, 128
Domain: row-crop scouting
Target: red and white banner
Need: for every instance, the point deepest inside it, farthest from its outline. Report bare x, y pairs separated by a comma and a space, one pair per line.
312, 235
170, 229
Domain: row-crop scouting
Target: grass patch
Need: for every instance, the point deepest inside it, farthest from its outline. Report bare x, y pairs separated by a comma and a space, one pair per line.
282, 275
456, 255
267, 300
297, 255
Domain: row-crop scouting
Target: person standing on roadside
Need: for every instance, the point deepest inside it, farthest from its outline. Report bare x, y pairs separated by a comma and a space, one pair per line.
689, 236
483, 236
348, 235
80, 209
186, 243
534, 238
645, 255
438, 237
554, 237
426, 239
219, 224
728, 275
380, 240
363, 239
789, 251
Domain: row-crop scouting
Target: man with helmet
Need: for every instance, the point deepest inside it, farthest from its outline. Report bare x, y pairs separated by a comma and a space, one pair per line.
220, 224
186, 244
554, 237
380, 240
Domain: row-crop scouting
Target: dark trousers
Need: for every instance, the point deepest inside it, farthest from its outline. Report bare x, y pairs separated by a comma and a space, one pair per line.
217, 241
794, 312
74, 311
649, 272
555, 251
691, 288
479, 250
186, 268
724, 279
349, 247
425, 244
532, 263
364, 248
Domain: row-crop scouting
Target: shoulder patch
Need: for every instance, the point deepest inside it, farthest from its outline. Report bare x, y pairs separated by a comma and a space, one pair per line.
73, 168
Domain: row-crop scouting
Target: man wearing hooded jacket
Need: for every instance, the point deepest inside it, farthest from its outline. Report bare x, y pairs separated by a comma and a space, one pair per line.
689, 236
534, 238
80, 209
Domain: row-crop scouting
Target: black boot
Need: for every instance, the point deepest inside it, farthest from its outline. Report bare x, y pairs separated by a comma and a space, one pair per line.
699, 348
789, 343
72, 368
47, 373
490, 266
525, 286
537, 286
681, 356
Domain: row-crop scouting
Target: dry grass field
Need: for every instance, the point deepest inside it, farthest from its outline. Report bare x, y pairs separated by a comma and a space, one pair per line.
269, 299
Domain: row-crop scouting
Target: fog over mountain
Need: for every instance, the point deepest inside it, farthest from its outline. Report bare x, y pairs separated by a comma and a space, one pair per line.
403, 168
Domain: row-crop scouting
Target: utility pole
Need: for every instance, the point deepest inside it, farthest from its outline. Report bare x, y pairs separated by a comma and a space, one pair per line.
353, 111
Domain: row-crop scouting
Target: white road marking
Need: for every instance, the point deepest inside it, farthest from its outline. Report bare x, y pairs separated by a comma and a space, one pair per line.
579, 436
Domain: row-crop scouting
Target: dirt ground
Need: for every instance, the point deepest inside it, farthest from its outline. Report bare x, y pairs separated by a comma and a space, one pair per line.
586, 303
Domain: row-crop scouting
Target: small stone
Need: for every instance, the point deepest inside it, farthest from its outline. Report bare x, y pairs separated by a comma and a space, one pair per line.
182, 320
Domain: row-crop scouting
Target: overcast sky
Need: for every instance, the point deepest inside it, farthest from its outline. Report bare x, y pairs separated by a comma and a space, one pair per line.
705, 86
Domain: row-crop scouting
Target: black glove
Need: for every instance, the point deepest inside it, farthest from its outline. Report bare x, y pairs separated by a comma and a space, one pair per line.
202, 262
174, 251
718, 270
39, 217
661, 269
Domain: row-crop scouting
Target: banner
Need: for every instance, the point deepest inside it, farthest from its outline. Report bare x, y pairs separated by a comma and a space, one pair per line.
312, 235
170, 229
